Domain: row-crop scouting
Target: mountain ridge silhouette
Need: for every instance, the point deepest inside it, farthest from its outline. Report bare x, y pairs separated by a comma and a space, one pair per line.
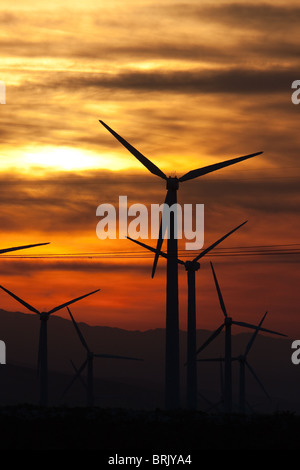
270, 358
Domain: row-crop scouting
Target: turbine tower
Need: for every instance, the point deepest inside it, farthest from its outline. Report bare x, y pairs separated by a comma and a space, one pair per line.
172, 380
43, 348
191, 268
89, 363
228, 322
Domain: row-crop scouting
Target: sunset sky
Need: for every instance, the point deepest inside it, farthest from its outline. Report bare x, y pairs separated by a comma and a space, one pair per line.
188, 84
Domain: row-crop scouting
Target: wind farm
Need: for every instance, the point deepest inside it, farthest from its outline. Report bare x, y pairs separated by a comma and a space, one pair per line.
172, 359
172, 379
133, 107
155, 386
42, 362
191, 268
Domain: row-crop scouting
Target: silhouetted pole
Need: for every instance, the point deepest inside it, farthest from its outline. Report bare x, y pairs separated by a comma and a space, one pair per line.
242, 400
228, 374
43, 359
191, 267
90, 380
172, 376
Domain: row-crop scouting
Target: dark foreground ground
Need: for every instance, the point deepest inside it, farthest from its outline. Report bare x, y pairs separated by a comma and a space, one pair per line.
120, 431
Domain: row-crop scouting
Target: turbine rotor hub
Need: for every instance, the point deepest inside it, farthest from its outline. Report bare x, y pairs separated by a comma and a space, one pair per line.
172, 183
192, 266
44, 316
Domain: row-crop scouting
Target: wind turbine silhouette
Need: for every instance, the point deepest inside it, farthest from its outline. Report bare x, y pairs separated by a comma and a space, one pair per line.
191, 267
43, 348
172, 380
22, 247
228, 322
242, 359
89, 363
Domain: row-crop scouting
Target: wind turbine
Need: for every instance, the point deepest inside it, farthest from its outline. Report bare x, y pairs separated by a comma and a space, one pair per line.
172, 381
191, 267
43, 349
242, 359
22, 247
243, 362
228, 322
89, 362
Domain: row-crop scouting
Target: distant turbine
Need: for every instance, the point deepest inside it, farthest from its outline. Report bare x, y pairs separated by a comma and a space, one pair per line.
191, 267
172, 381
243, 362
242, 359
22, 247
43, 349
228, 358
89, 362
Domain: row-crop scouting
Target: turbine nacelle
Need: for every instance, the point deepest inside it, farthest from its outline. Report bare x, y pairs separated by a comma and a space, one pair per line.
44, 316
240, 358
192, 265
172, 183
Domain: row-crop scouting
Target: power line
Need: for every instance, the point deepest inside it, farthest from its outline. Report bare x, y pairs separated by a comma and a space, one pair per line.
145, 255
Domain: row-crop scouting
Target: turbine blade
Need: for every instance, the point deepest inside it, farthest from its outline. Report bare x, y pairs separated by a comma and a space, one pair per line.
217, 166
257, 380
145, 161
75, 377
79, 375
161, 235
81, 337
23, 247
28, 306
210, 339
158, 249
219, 292
204, 252
112, 356
249, 345
154, 250
72, 301
204, 398
248, 325
150, 248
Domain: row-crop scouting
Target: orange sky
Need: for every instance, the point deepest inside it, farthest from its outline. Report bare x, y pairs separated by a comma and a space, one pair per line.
187, 84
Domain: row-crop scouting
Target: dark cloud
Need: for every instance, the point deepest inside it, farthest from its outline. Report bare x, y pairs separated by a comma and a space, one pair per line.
245, 15
233, 80
68, 203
